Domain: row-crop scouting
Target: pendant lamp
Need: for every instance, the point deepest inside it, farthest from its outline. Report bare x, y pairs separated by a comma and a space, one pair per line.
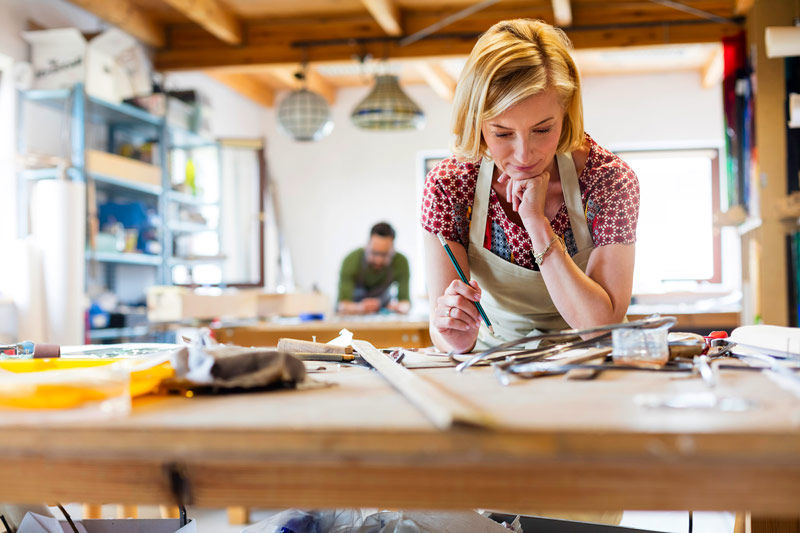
387, 107
304, 115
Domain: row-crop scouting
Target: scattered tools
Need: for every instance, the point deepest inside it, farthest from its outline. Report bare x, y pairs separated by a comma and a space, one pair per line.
569, 338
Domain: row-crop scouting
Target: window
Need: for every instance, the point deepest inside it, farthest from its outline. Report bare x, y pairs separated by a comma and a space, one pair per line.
675, 239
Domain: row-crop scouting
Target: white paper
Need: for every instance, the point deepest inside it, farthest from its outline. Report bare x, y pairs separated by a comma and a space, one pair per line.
344, 339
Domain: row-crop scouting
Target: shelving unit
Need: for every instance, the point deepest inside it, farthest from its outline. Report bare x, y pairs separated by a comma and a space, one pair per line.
129, 123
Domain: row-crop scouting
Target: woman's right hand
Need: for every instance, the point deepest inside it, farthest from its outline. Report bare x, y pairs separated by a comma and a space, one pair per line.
455, 316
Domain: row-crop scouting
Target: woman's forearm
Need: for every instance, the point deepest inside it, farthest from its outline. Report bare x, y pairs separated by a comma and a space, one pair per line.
581, 301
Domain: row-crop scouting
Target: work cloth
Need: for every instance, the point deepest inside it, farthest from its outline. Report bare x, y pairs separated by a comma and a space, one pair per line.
516, 298
609, 194
234, 367
358, 280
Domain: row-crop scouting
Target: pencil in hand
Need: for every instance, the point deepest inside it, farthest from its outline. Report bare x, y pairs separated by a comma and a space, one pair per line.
461, 275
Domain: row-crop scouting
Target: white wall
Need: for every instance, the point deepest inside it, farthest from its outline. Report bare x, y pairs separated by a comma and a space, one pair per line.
653, 111
232, 115
333, 190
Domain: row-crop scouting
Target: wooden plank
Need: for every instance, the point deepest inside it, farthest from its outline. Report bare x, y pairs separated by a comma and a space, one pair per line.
212, 16
246, 85
387, 14
711, 73
410, 334
314, 81
442, 409
438, 79
769, 277
276, 41
127, 16
743, 6
238, 516
562, 13
429, 483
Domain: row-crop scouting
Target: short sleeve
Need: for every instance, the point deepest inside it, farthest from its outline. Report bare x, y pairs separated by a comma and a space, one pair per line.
614, 204
446, 200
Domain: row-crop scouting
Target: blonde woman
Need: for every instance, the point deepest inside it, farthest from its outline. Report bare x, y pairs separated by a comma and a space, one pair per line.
538, 215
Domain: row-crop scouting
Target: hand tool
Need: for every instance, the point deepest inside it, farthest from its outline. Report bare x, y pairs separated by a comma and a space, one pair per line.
29, 350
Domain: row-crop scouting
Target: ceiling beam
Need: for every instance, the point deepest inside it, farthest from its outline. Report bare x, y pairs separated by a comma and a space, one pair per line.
386, 14
712, 72
743, 7
246, 85
438, 79
285, 42
128, 17
562, 13
212, 16
285, 75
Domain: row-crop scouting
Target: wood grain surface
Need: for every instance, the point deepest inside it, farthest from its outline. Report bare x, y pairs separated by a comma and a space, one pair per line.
558, 444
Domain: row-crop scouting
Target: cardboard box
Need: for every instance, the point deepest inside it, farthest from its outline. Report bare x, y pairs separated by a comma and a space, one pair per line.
117, 166
113, 65
292, 304
172, 304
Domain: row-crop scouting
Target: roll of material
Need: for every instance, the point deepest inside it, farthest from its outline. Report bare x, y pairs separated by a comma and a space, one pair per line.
58, 215
782, 41
24, 282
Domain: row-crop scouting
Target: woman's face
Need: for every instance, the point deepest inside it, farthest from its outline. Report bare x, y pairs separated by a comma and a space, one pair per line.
523, 139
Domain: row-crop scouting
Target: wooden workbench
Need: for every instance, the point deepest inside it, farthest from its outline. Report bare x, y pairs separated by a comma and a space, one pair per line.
559, 445
382, 332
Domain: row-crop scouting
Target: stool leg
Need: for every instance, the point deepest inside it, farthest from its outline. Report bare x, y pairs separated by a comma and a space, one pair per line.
238, 516
127, 511
92, 511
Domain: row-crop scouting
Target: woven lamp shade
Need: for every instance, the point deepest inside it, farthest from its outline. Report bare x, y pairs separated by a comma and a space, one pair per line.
305, 116
387, 107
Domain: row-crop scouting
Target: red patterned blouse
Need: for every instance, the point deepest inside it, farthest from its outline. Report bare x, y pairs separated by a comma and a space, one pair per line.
609, 194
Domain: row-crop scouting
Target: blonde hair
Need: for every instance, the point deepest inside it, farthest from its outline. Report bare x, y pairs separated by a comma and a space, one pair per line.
513, 60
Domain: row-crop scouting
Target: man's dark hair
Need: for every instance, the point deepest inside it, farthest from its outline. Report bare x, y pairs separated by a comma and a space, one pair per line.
382, 229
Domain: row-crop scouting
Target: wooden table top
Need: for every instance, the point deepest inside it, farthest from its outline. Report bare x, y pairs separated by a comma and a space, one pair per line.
559, 444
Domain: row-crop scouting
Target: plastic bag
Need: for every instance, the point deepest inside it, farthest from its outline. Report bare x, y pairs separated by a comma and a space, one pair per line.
297, 521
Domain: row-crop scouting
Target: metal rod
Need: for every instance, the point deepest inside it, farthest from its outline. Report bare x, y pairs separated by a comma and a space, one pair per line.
694, 11
436, 26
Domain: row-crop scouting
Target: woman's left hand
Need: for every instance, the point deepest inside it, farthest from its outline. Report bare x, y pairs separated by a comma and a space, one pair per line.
526, 194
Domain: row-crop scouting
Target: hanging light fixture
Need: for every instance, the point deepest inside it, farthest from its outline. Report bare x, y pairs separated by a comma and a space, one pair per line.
303, 114
387, 107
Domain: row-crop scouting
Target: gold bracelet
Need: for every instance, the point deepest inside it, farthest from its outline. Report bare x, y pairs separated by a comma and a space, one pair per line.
539, 257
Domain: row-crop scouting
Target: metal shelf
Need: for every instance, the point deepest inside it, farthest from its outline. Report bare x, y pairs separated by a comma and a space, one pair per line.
189, 227
180, 138
184, 198
109, 112
117, 333
173, 261
124, 258
96, 110
114, 184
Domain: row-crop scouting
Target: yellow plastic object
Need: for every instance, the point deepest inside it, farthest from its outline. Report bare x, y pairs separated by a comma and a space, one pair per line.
69, 383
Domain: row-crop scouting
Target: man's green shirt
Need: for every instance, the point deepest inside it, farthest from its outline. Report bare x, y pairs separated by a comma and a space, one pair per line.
352, 264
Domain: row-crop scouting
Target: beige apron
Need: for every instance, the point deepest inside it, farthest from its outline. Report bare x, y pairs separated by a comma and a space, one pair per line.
516, 298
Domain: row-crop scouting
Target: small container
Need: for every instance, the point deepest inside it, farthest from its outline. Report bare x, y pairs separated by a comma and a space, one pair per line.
644, 347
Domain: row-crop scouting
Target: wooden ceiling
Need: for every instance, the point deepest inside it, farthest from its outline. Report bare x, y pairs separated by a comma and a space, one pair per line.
255, 46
